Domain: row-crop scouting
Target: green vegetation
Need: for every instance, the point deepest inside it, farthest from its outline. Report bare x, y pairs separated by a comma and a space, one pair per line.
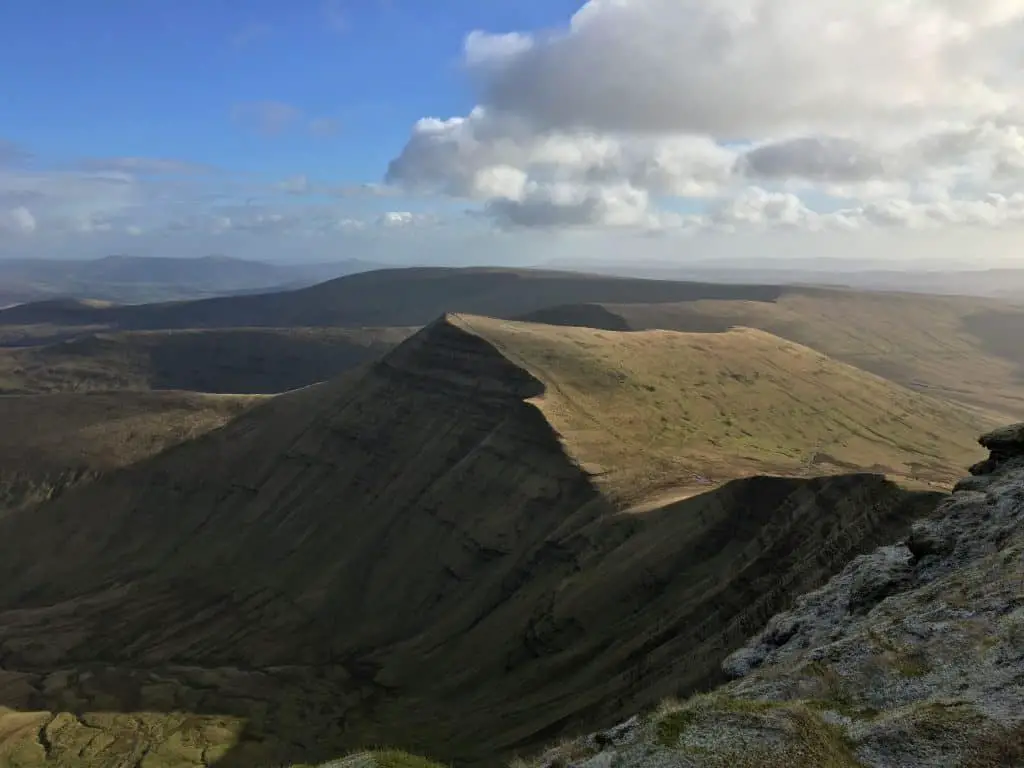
962, 350
659, 411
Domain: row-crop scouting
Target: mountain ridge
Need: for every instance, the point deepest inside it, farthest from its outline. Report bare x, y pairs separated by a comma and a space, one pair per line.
446, 559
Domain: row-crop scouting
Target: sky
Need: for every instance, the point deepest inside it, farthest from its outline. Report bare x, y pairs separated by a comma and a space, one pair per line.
514, 131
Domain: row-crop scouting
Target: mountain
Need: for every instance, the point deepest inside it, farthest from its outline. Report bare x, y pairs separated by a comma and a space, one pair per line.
391, 297
242, 361
960, 349
137, 279
420, 554
52, 442
911, 656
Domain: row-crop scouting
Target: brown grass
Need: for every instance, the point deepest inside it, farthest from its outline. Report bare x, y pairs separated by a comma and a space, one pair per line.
651, 410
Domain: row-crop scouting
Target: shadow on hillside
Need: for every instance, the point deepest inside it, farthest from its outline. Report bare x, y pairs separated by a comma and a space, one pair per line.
664, 597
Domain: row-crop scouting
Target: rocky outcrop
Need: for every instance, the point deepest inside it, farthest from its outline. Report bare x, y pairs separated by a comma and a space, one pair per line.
912, 656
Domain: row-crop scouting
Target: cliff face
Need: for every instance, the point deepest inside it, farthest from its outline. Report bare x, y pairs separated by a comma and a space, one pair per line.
405, 557
913, 656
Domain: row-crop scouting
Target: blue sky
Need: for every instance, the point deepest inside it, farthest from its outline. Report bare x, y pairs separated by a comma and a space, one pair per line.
172, 78
509, 130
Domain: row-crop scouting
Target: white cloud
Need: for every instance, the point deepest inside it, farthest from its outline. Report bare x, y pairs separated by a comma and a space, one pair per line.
145, 165
397, 219
18, 221
885, 110
737, 68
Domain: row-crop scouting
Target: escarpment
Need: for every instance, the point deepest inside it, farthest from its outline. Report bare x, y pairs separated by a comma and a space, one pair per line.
405, 556
913, 655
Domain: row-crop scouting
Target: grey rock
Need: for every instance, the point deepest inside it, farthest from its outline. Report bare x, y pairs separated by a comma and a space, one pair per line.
883, 573
929, 538
1008, 440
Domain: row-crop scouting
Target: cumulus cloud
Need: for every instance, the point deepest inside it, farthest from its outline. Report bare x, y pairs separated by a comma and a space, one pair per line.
877, 105
18, 221
736, 68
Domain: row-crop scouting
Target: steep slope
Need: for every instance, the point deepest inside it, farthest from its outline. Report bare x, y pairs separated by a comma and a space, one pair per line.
406, 556
960, 349
50, 443
912, 656
243, 360
659, 410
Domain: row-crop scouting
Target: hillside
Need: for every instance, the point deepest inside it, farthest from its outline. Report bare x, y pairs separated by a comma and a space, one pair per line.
408, 555
389, 297
959, 349
243, 360
49, 443
657, 410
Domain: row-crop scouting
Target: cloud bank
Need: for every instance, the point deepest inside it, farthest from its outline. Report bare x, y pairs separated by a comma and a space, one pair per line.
695, 114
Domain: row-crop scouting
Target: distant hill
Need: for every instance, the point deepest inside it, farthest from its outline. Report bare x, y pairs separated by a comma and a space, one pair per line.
136, 279
242, 361
960, 349
390, 297
455, 550
1000, 283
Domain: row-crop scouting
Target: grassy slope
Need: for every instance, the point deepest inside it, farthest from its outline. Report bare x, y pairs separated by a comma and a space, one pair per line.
50, 442
652, 410
246, 360
451, 583
959, 349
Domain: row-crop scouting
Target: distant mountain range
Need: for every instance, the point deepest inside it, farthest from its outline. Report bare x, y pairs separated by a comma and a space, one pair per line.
1002, 283
139, 279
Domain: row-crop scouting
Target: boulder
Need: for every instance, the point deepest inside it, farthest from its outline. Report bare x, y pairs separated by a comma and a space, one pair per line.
1005, 440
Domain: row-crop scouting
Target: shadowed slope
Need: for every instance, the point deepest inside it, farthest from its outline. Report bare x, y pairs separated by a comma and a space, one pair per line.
244, 360
391, 297
51, 442
407, 556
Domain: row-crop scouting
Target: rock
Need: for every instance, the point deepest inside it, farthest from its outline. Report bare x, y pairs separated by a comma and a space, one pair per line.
882, 573
928, 538
743, 662
972, 483
1009, 440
